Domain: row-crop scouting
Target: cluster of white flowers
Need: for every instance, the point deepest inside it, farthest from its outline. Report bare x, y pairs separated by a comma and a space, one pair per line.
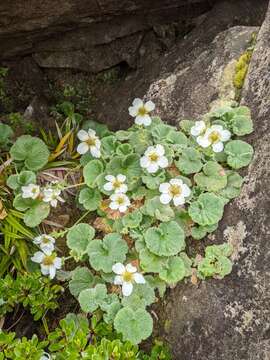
126, 277
119, 200
174, 190
154, 158
47, 258
213, 136
50, 193
89, 143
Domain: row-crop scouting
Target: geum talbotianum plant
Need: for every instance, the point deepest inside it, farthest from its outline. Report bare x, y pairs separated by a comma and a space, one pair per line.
149, 188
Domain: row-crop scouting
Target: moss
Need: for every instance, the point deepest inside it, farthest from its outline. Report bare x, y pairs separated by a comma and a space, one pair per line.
241, 69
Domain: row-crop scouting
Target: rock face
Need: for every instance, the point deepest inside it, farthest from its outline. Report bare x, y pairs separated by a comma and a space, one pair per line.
87, 35
229, 319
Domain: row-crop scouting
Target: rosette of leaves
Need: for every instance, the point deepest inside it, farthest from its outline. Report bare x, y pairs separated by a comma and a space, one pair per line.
134, 325
103, 254
216, 262
30, 151
78, 239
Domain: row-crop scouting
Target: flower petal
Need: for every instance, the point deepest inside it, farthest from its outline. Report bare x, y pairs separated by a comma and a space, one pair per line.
113, 205
218, 147
137, 103
144, 162
118, 280
52, 272
122, 208
38, 257
110, 177
82, 148
147, 120
186, 190
82, 135
108, 186
152, 167
118, 268
127, 288
160, 150
133, 111
179, 200
57, 263
121, 177
203, 141
138, 278
149, 106
225, 135
130, 268
165, 199
122, 189
178, 182
164, 187
95, 152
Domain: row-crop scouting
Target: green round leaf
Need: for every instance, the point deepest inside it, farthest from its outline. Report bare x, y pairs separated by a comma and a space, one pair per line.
153, 182
189, 162
79, 237
31, 150
134, 325
82, 279
91, 299
141, 296
104, 253
207, 210
154, 208
213, 177
90, 198
173, 271
239, 153
132, 220
36, 214
150, 262
26, 177
233, 188
91, 171
140, 140
5, 133
166, 240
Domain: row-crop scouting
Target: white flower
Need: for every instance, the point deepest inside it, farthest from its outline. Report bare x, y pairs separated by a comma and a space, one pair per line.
52, 196
140, 111
198, 129
116, 183
126, 276
45, 356
174, 190
30, 191
45, 242
154, 159
119, 202
89, 142
48, 263
214, 136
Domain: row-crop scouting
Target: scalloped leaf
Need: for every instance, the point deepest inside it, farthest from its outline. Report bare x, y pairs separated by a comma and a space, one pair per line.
165, 240
189, 162
154, 208
239, 153
79, 237
36, 214
213, 178
234, 184
91, 299
150, 262
91, 171
134, 325
90, 198
207, 209
141, 296
31, 150
82, 279
132, 220
104, 253
140, 140
173, 271
153, 182
5, 133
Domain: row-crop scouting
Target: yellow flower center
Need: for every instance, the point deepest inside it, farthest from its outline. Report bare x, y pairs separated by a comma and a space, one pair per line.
45, 240
153, 157
34, 190
120, 201
117, 184
48, 260
175, 190
91, 141
127, 276
214, 137
142, 111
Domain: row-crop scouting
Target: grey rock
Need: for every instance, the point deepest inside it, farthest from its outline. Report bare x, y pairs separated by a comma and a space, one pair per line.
229, 319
